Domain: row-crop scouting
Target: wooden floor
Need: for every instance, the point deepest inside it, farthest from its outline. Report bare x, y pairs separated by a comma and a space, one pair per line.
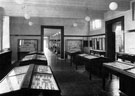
74, 82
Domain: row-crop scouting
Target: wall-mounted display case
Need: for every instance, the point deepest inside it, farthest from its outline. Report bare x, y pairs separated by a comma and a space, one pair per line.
25, 46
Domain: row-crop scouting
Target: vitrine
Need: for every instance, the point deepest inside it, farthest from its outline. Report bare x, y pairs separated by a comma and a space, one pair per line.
29, 80
34, 58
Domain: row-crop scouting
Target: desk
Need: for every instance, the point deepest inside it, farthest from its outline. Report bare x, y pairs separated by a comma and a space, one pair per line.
71, 53
34, 58
126, 74
29, 80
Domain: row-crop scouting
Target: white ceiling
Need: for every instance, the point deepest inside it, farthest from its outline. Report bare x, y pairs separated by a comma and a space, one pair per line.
60, 8
40, 7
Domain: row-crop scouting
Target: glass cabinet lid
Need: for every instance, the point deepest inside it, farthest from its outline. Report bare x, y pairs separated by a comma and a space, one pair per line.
131, 70
119, 65
44, 81
90, 57
18, 70
41, 57
43, 69
28, 57
83, 54
12, 83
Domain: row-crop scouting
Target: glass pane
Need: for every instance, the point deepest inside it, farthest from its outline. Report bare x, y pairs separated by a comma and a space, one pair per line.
19, 70
44, 81
9, 84
6, 37
43, 69
119, 44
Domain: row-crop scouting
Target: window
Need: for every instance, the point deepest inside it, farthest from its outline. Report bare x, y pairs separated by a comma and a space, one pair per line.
5, 34
96, 24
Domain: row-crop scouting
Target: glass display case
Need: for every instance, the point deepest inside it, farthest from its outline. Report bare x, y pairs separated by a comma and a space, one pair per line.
41, 57
29, 80
19, 70
43, 69
119, 65
90, 57
35, 59
44, 81
28, 57
131, 70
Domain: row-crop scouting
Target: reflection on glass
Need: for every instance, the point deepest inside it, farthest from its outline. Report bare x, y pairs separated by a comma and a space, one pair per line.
44, 81
132, 70
41, 57
19, 70
13, 83
28, 57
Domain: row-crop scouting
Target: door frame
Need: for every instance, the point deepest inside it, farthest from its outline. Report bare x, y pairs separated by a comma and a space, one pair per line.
110, 37
62, 36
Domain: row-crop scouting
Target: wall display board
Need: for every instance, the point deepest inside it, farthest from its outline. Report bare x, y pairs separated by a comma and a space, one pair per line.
73, 44
28, 45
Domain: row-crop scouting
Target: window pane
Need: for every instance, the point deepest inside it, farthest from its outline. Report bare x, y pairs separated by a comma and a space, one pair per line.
5, 41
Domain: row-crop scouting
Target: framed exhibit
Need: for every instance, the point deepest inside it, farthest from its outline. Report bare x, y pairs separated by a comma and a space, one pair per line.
73, 44
28, 45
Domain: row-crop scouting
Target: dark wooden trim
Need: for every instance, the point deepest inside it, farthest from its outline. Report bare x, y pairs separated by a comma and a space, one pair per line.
28, 77
62, 36
83, 35
132, 30
23, 35
110, 37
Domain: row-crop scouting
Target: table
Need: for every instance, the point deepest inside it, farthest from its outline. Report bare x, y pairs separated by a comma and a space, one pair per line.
30, 80
79, 59
71, 53
34, 58
91, 63
126, 74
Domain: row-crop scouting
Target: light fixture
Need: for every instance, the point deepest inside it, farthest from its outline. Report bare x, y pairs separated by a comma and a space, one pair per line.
87, 18
74, 24
30, 23
26, 16
113, 6
19, 1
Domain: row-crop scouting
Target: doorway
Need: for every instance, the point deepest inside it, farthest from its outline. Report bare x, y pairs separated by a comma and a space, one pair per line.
114, 37
59, 41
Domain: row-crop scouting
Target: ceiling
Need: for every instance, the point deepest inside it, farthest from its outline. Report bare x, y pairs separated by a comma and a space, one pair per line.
60, 8
40, 7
